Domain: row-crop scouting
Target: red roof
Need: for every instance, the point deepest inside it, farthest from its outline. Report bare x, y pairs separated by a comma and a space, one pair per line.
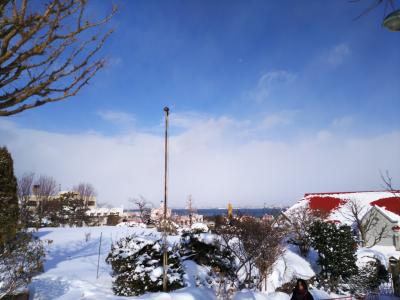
328, 202
391, 204
357, 192
325, 203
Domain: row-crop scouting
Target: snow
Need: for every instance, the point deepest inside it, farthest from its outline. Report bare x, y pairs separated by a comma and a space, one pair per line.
363, 198
391, 215
71, 265
131, 224
289, 266
201, 227
252, 295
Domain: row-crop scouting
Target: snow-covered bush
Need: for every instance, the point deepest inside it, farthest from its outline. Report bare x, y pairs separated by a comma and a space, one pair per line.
207, 252
204, 250
199, 228
137, 266
20, 260
370, 276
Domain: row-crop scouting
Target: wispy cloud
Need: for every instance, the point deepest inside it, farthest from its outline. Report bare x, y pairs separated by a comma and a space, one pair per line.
338, 54
117, 117
268, 82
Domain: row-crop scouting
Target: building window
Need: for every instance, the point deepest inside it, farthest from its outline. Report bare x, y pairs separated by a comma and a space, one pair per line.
31, 203
91, 203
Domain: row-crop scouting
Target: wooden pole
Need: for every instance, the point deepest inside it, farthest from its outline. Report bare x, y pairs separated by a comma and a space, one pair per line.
165, 246
98, 258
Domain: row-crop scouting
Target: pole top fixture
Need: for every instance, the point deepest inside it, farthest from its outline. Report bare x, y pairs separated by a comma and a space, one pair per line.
166, 109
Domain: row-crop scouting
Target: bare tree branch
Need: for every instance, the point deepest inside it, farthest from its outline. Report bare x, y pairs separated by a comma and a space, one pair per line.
365, 223
47, 52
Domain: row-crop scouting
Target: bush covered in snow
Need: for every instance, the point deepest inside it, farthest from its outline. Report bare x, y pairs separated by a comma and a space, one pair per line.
370, 276
206, 252
20, 260
137, 266
199, 228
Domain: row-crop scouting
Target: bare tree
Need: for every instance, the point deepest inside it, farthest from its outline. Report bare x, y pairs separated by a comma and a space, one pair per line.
365, 223
388, 183
86, 192
256, 244
44, 189
301, 220
144, 209
191, 210
47, 51
25, 183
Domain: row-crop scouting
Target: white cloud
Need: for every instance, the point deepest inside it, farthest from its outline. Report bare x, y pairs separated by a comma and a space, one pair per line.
267, 83
213, 160
277, 119
117, 117
343, 122
337, 54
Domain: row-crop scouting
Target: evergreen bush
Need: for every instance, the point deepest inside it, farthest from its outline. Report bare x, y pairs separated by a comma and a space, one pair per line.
137, 266
9, 210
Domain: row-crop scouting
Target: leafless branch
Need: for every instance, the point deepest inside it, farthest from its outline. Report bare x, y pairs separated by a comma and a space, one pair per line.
47, 52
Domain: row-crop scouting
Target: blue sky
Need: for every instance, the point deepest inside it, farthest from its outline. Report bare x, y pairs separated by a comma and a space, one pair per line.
282, 71
207, 56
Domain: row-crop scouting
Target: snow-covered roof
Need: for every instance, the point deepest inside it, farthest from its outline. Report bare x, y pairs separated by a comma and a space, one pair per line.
390, 215
335, 203
106, 210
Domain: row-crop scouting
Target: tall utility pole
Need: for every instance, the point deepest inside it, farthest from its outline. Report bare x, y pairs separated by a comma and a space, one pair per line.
165, 246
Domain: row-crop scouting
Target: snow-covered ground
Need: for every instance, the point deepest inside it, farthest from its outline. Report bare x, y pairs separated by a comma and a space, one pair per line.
71, 265
71, 268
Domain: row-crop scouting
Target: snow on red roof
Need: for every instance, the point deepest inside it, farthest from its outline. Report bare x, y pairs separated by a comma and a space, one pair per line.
391, 204
334, 203
356, 192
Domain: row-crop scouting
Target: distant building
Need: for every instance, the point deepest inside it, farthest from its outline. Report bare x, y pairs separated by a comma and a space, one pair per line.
186, 220
157, 214
34, 200
100, 215
267, 217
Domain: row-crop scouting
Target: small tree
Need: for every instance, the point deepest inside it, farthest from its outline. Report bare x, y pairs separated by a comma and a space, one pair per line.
301, 220
356, 212
9, 211
336, 249
144, 209
25, 184
44, 189
86, 192
73, 209
256, 244
190, 209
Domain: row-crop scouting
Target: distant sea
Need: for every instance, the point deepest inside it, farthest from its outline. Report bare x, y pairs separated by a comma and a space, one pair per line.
255, 212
